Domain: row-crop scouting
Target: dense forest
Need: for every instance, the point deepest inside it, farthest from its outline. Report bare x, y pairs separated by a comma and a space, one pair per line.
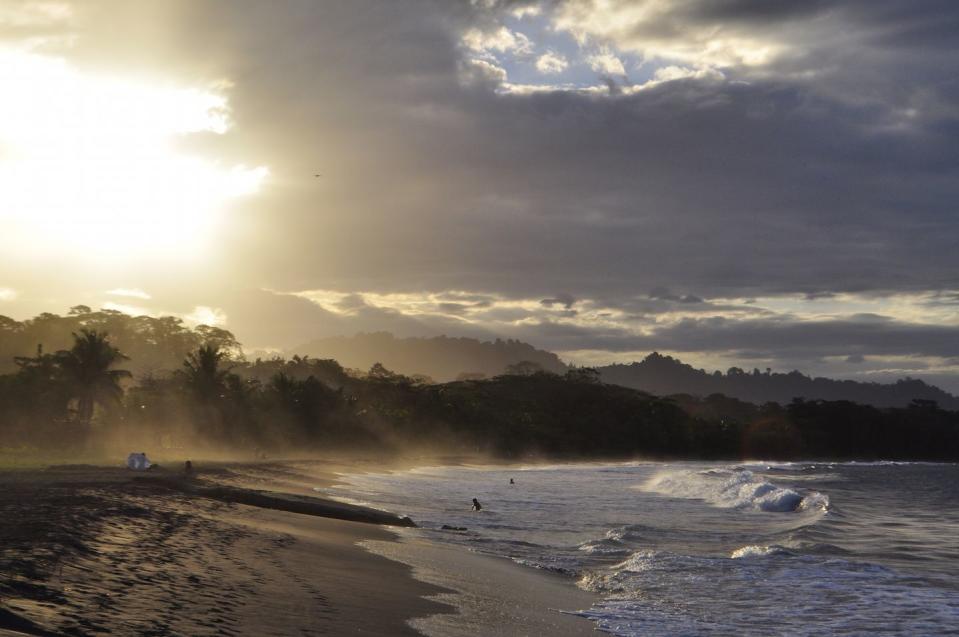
152, 345
84, 396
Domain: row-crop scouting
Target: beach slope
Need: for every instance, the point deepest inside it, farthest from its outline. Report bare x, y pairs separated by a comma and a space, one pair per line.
89, 550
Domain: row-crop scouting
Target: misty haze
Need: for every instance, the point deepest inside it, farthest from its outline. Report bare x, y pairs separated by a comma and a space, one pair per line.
479, 317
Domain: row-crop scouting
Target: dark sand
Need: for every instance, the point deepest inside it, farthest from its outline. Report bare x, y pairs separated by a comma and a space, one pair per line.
88, 550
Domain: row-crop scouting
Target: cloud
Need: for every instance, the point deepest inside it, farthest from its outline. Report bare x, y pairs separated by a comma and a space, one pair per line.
673, 73
663, 294
135, 293
694, 32
551, 63
607, 63
206, 315
501, 40
787, 340
566, 300
767, 187
132, 310
482, 72
529, 10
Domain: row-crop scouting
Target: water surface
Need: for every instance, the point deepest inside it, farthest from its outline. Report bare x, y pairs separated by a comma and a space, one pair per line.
709, 548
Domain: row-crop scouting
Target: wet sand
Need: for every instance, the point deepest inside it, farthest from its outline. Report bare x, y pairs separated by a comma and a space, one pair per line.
87, 550
489, 593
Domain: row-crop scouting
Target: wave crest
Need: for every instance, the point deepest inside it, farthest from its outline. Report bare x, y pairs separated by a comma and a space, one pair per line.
734, 489
755, 550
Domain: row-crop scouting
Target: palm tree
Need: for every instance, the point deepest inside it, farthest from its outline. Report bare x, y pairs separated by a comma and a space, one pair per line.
202, 373
284, 387
216, 392
87, 369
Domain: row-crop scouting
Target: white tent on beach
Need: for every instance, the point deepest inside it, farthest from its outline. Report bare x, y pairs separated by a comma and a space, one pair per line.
138, 461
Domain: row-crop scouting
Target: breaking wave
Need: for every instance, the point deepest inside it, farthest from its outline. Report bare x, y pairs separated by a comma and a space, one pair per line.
618, 540
741, 489
755, 550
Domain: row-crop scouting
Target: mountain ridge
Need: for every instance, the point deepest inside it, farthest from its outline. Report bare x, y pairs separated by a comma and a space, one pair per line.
444, 358
665, 375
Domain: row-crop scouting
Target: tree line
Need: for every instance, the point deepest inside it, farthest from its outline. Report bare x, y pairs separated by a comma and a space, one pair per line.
85, 397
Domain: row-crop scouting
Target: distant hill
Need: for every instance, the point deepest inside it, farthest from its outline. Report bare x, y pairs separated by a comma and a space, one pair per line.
441, 358
444, 358
664, 375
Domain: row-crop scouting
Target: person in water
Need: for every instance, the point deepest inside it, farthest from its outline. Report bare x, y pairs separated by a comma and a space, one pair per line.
511, 481
476, 505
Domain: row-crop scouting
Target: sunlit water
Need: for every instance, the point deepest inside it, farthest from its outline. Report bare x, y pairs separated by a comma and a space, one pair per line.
712, 549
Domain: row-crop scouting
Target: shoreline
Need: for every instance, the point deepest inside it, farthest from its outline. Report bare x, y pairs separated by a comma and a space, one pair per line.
87, 550
491, 595
483, 593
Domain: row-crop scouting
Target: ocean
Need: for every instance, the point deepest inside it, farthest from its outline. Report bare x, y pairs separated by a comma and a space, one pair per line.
700, 548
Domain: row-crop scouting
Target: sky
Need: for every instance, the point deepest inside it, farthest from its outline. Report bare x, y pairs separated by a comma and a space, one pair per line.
751, 183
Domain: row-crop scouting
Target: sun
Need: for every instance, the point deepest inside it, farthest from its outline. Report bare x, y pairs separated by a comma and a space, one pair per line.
90, 169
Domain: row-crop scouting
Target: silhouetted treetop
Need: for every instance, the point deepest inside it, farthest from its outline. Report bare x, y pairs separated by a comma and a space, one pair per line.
152, 344
664, 375
88, 369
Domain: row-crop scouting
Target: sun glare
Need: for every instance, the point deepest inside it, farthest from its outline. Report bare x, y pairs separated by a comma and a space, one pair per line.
89, 165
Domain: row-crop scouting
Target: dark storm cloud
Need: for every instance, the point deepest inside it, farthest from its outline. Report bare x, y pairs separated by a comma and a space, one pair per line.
831, 168
778, 185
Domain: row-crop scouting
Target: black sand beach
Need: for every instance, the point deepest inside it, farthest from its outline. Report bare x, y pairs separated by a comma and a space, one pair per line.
92, 550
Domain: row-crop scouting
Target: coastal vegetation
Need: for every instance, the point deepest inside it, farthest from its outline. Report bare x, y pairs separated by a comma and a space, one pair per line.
84, 396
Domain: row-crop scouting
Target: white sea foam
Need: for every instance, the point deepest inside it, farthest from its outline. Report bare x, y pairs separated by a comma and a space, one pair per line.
605, 546
733, 489
756, 550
